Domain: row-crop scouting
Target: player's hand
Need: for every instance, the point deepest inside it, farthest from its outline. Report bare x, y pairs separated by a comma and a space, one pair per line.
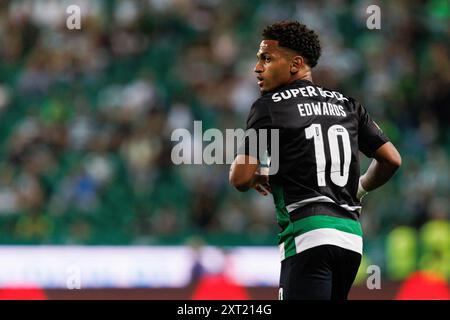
361, 193
261, 182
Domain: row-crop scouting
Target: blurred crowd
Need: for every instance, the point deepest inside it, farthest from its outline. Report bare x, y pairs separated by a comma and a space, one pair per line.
86, 115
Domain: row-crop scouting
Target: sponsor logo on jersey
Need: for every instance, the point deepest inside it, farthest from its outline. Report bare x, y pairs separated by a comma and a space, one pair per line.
308, 91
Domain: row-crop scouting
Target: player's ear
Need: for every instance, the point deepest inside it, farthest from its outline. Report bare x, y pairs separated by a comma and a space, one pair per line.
297, 64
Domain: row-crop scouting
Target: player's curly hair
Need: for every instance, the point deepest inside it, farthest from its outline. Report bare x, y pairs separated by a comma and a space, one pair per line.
295, 36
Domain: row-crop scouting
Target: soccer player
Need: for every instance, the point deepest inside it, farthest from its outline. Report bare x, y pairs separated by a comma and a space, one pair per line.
318, 188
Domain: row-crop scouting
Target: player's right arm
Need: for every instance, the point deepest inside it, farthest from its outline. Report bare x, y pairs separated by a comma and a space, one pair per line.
245, 171
385, 163
374, 144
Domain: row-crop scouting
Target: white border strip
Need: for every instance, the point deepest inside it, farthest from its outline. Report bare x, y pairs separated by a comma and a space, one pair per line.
304, 202
331, 236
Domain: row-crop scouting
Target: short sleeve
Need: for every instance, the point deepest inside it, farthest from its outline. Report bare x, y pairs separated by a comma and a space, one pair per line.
259, 123
259, 116
370, 136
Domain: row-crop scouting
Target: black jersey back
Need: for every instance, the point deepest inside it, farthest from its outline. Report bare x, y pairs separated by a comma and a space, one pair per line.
320, 135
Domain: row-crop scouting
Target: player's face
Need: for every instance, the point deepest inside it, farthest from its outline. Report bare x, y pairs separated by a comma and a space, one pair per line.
272, 68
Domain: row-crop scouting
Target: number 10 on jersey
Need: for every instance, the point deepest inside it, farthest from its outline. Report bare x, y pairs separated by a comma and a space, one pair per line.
337, 176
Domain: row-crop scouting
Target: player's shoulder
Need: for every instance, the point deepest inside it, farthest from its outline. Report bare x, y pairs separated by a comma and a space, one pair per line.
258, 111
263, 101
338, 93
351, 102
355, 104
261, 106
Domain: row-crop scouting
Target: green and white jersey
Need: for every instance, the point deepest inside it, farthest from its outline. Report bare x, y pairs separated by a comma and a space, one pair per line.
320, 135
323, 226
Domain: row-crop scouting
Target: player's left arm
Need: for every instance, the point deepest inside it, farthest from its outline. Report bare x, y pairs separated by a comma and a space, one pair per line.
245, 173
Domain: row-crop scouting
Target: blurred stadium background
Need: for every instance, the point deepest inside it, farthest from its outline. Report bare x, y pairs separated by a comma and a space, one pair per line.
89, 196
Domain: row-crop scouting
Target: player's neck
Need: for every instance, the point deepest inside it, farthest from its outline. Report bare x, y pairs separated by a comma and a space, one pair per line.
303, 76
